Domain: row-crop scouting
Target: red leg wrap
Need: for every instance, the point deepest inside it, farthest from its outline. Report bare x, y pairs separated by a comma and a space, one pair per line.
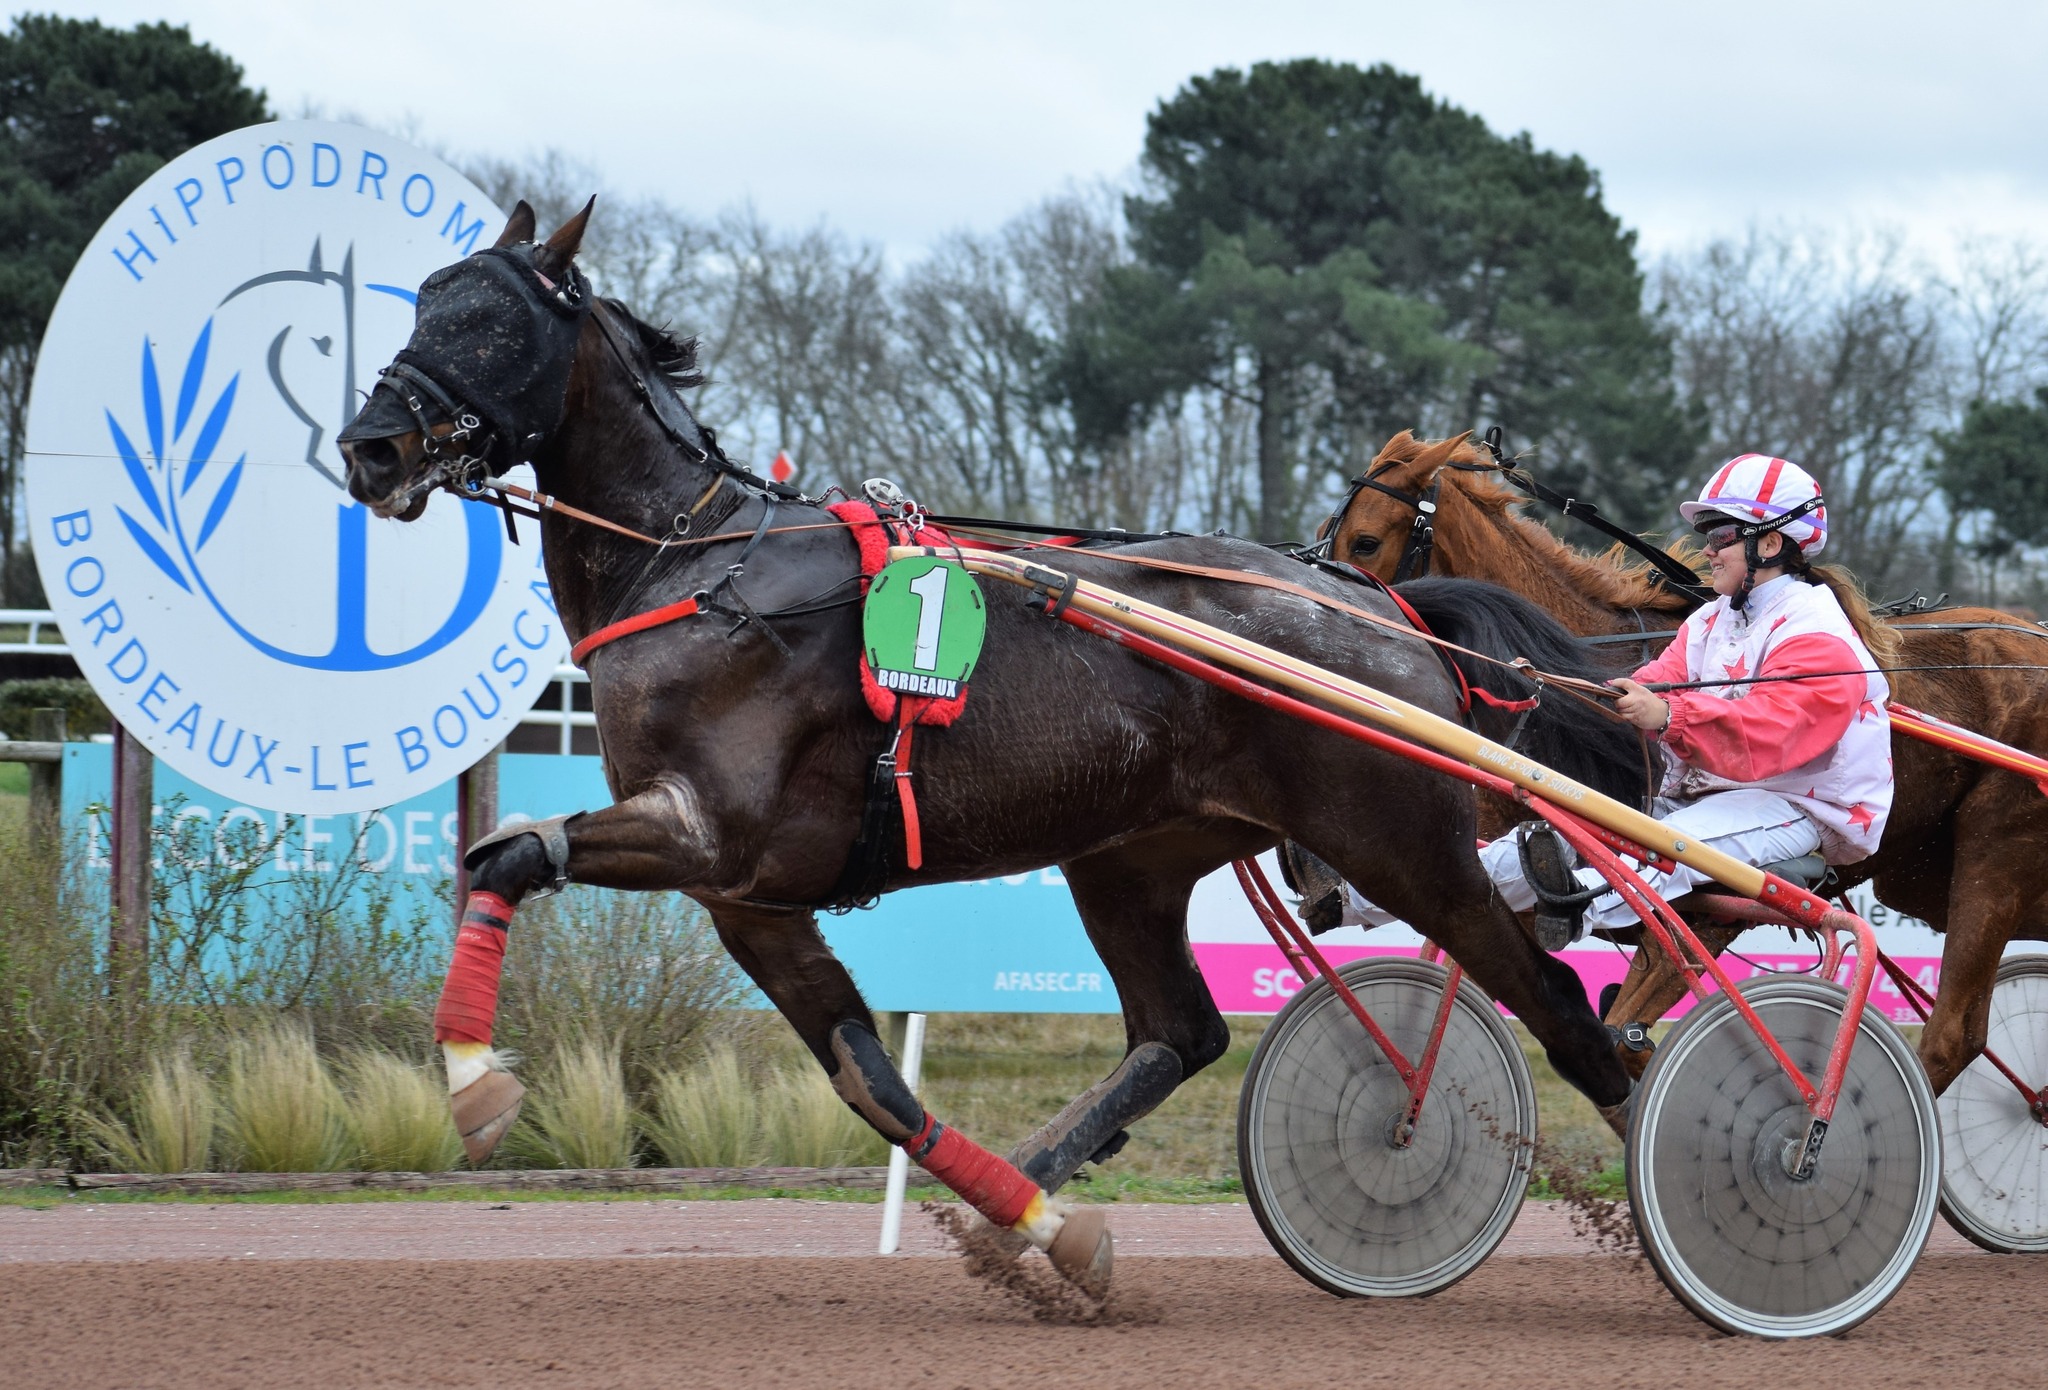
992, 1186
469, 997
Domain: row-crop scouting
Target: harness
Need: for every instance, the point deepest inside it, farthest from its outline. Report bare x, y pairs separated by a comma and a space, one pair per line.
1415, 556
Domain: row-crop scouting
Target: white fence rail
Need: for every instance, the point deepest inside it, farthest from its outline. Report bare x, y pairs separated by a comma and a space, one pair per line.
34, 632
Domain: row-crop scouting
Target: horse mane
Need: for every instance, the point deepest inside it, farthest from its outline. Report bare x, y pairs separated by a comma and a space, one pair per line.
1563, 732
1614, 577
675, 358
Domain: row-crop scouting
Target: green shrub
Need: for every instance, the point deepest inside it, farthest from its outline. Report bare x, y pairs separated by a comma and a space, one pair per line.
84, 715
284, 1113
399, 1115
642, 969
172, 1122
69, 1049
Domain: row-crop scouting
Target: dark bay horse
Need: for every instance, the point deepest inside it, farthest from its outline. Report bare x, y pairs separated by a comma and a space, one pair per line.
1966, 847
738, 748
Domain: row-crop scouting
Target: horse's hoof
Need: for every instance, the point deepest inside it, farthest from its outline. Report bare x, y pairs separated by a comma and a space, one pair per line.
1083, 1251
484, 1110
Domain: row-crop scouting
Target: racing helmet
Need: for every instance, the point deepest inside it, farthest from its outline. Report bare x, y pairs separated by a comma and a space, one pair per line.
1762, 494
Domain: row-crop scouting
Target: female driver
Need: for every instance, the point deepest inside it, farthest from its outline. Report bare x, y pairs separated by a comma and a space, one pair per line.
1764, 771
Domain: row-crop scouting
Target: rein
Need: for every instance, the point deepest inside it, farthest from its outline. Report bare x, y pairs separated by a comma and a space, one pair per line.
1415, 557
1660, 687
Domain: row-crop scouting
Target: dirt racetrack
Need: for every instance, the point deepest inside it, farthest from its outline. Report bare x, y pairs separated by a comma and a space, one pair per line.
675, 1294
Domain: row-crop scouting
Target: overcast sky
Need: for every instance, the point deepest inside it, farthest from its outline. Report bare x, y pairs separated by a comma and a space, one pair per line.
901, 122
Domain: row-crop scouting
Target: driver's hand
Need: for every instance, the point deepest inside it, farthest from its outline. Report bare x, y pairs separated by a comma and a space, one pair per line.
1643, 708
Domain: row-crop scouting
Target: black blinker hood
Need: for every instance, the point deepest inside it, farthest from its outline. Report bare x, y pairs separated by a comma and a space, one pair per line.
497, 340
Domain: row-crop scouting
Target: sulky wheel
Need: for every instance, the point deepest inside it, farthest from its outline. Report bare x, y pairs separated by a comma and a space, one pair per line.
1343, 1200
1740, 1240
1994, 1181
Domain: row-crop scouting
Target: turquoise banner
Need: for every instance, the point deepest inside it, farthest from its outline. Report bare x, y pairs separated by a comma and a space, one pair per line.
1010, 945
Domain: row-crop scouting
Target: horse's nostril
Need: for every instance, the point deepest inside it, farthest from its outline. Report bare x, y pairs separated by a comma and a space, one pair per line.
370, 454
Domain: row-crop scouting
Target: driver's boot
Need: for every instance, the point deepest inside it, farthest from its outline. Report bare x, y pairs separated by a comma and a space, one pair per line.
1550, 866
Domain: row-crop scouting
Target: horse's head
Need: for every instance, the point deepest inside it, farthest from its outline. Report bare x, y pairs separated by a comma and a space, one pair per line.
1376, 523
482, 384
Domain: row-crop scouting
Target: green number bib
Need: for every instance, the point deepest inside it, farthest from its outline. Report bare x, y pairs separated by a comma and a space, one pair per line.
923, 626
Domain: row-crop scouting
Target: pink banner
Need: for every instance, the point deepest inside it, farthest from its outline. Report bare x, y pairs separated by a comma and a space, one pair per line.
1254, 978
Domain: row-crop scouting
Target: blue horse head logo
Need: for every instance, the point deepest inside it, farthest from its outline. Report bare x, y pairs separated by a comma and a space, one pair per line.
186, 488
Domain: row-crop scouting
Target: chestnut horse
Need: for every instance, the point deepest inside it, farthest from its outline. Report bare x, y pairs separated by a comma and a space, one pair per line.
1966, 847
739, 750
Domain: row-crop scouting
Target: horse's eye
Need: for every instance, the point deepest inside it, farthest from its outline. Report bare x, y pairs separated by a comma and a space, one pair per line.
1365, 545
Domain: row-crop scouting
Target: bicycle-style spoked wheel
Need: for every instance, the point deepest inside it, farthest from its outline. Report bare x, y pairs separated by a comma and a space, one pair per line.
1994, 1178
1345, 1201
1741, 1241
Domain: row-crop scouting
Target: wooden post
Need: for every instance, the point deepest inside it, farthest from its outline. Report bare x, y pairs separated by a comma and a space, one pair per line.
134, 802
476, 815
46, 794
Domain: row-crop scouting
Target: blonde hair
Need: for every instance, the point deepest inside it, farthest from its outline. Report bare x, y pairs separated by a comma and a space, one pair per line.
1885, 642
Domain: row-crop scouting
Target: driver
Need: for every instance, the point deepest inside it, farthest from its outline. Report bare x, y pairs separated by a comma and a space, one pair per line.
1764, 771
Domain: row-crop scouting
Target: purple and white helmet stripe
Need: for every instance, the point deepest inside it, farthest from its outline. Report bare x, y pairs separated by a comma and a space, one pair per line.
1759, 487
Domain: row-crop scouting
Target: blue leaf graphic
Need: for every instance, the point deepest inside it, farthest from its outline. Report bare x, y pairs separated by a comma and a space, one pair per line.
195, 370
209, 435
154, 551
137, 474
152, 402
221, 499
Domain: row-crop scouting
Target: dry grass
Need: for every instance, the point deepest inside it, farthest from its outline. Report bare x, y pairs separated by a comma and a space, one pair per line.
283, 1111
399, 1115
577, 1112
804, 1123
705, 1117
719, 1114
1001, 1076
173, 1119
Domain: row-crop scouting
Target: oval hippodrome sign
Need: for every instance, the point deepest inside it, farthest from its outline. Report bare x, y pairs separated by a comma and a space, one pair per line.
256, 628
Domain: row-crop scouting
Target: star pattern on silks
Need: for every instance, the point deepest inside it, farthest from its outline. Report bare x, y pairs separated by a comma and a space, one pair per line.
1737, 668
1862, 817
1867, 710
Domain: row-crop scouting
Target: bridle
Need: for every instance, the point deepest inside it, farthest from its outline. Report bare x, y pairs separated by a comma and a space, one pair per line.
455, 467
459, 445
1415, 555
1414, 563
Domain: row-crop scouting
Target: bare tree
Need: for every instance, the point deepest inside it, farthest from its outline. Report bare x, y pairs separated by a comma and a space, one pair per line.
1825, 351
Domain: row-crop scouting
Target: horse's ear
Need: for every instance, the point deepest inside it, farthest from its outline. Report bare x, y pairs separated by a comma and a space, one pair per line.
518, 227
568, 237
1400, 442
1435, 455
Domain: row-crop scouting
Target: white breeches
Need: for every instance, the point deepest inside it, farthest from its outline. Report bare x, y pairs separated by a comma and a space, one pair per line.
1757, 827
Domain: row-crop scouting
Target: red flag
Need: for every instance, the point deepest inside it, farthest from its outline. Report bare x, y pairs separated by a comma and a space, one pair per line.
782, 470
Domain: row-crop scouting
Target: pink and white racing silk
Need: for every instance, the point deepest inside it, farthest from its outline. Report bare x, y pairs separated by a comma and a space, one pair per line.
1823, 744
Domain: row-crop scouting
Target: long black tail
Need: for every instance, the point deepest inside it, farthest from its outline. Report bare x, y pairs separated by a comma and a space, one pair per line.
1564, 732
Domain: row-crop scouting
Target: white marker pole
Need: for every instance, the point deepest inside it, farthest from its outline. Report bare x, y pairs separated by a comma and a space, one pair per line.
899, 1158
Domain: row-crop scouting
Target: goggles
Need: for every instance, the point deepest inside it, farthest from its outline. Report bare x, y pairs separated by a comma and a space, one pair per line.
1720, 538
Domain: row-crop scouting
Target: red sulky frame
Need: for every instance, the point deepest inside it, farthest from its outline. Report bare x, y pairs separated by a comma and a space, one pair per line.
1598, 846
